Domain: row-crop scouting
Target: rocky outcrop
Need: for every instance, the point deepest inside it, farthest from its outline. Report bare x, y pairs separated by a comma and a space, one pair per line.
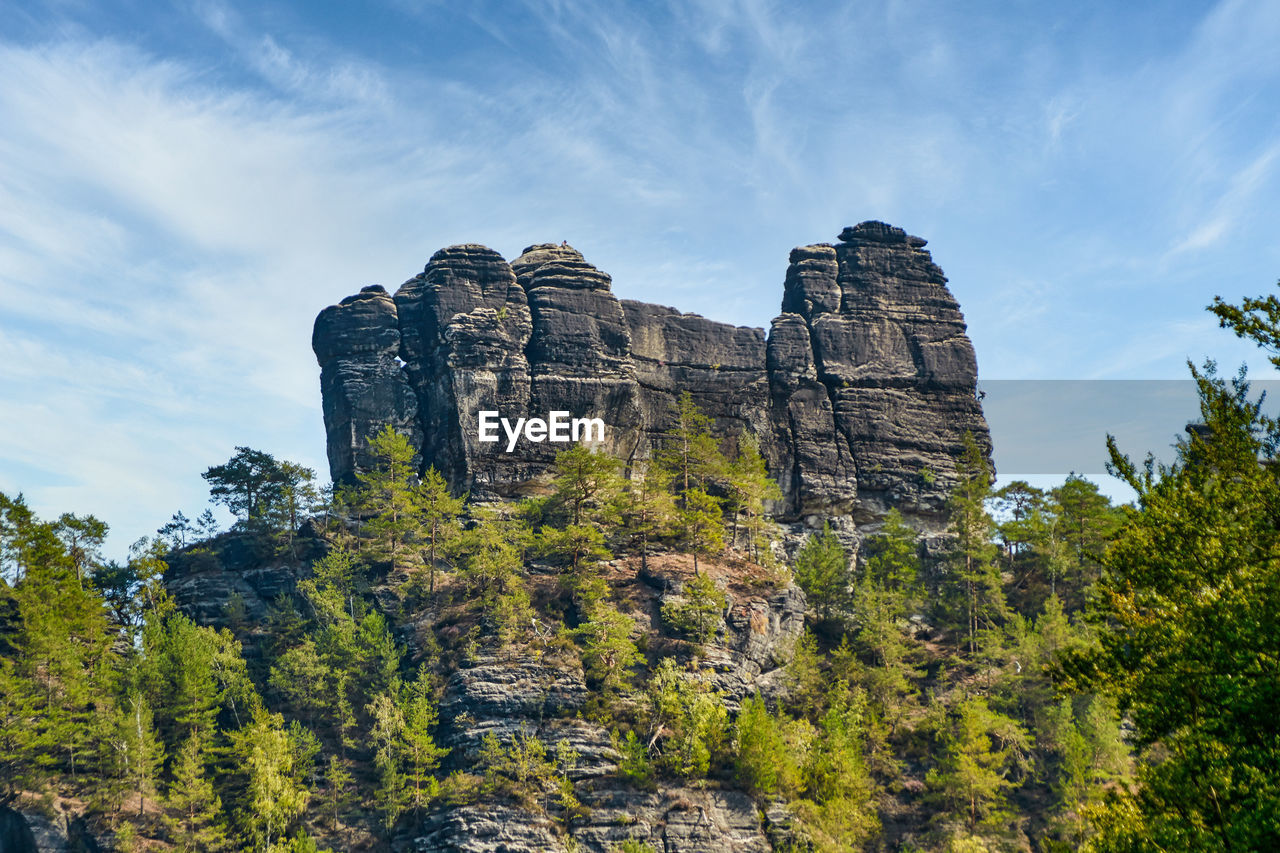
15, 834
888, 344
235, 579
31, 832
542, 692
860, 395
722, 366
362, 383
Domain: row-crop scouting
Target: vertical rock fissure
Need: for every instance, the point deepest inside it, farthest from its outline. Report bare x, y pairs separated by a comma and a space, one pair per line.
865, 381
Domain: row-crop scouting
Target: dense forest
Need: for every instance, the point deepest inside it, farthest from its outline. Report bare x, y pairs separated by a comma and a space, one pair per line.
1056, 673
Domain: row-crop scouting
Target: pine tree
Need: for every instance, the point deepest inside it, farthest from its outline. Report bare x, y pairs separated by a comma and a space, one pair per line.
608, 652
696, 613
207, 525
838, 809
82, 536
648, 509
689, 717
983, 755
178, 530
580, 545
387, 736
1084, 522
276, 793
585, 483
196, 810
806, 681
248, 484
17, 707
690, 452
750, 487
1187, 603
141, 748
180, 674
974, 554
303, 680
439, 511
822, 571
297, 495
421, 755
338, 788
701, 524
768, 749
386, 495
64, 643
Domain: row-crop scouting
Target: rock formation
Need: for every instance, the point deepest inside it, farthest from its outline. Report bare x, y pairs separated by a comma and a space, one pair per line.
860, 395
509, 695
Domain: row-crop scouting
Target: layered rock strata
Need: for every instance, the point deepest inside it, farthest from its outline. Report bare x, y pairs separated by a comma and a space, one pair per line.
860, 395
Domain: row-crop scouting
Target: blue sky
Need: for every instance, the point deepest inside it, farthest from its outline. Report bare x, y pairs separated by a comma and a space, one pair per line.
182, 188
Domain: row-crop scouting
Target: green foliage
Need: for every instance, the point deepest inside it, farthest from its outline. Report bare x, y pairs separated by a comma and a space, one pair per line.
984, 754
386, 495
838, 810
82, 537
422, 756
701, 524
195, 810
101, 678
439, 511
647, 508
297, 496
696, 613
63, 656
189, 672
974, 555
769, 749
750, 489
632, 845
387, 735
177, 531
576, 545
1187, 603
822, 571
524, 769
586, 484
691, 453
1085, 521
302, 679
492, 558
338, 794
806, 680
138, 749
608, 652
634, 764
248, 484
259, 488
687, 719
275, 762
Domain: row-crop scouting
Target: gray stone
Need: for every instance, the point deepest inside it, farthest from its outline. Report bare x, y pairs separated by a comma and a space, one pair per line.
860, 396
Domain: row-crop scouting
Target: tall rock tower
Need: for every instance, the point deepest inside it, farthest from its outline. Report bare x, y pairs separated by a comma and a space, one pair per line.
860, 395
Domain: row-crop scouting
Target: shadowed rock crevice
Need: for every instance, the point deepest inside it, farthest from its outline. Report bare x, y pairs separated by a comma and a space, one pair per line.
860, 395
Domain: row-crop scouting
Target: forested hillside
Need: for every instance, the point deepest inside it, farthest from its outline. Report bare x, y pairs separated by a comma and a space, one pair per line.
641, 660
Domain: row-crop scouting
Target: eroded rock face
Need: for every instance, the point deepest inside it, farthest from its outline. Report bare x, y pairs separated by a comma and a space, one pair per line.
722, 366
363, 386
889, 345
541, 692
860, 395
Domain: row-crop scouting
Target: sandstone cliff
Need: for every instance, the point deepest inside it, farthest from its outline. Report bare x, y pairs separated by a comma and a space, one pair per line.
860, 394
